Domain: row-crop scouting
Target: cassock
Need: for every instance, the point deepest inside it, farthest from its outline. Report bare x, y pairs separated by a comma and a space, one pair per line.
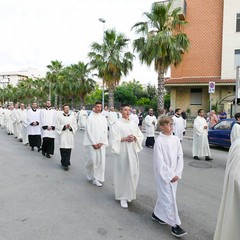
126, 164
178, 126
48, 120
82, 119
96, 132
229, 214
34, 131
150, 130
235, 133
66, 136
8, 121
200, 146
168, 163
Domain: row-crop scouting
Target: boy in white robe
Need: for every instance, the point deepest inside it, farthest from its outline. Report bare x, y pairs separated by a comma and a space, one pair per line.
126, 139
66, 126
168, 167
235, 133
200, 147
229, 214
96, 140
178, 124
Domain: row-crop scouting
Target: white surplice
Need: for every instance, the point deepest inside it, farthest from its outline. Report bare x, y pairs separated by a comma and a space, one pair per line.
82, 119
168, 163
200, 147
134, 117
96, 132
150, 127
33, 116
229, 214
235, 133
48, 118
178, 126
66, 137
126, 164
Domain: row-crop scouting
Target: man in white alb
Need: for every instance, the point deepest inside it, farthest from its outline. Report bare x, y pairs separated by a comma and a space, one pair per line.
151, 123
178, 124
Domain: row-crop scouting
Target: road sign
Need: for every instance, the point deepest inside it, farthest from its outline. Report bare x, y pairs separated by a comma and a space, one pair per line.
211, 87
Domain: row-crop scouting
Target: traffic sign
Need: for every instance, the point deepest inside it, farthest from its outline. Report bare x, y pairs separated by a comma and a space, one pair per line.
211, 87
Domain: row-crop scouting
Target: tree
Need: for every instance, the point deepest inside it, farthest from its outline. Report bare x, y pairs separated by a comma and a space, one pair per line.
54, 77
110, 60
161, 42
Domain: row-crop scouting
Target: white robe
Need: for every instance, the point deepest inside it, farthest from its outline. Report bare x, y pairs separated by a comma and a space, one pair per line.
96, 132
200, 147
228, 223
178, 126
66, 137
1, 117
112, 118
135, 118
8, 121
82, 119
24, 126
33, 116
14, 121
150, 127
126, 164
168, 163
235, 133
20, 114
48, 118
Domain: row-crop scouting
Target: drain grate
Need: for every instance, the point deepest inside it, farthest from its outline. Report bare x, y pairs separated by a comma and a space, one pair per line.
198, 164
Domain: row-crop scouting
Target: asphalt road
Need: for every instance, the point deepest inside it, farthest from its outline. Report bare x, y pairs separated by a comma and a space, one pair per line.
40, 201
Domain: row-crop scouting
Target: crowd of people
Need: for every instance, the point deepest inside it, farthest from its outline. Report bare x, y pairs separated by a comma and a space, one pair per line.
122, 132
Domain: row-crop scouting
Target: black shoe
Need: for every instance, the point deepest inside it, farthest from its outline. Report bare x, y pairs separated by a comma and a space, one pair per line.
65, 168
178, 232
207, 158
39, 149
196, 157
43, 153
32, 149
48, 155
155, 218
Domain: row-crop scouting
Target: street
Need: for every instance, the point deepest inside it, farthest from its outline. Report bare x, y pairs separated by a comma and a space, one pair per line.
40, 201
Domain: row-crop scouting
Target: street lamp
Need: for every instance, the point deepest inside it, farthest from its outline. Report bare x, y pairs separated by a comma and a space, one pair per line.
103, 21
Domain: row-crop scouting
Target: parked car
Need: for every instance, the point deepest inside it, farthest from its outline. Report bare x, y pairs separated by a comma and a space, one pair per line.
219, 134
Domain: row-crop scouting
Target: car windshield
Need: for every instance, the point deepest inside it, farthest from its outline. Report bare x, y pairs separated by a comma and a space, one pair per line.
223, 125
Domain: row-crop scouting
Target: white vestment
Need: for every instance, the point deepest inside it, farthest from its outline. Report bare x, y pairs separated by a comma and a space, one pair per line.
126, 164
33, 116
82, 119
20, 114
229, 214
48, 118
1, 117
112, 118
8, 121
66, 137
150, 126
14, 121
24, 126
178, 126
235, 133
96, 132
168, 163
135, 118
200, 147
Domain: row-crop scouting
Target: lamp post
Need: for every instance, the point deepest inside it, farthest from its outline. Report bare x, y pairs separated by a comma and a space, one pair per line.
103, 21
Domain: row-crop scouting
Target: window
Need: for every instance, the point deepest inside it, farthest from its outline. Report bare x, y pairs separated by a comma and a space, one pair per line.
237, 58
238, 23
196, 96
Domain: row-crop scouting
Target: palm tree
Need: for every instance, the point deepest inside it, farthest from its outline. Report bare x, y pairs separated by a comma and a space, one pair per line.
80, 74
110, 60
162, 41
54, 76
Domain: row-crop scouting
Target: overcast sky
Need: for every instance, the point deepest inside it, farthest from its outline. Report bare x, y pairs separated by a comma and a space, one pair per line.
35, 32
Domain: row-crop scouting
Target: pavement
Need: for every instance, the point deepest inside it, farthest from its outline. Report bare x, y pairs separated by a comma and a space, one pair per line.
40, 201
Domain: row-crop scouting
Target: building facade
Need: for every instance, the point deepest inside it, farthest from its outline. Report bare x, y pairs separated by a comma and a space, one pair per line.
213, 56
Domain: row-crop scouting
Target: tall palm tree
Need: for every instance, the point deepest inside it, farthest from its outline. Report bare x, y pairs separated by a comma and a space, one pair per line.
110, 60
161, 42
54, 77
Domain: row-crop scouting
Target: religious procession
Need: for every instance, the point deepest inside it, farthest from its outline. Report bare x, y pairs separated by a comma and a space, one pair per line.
122, 131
